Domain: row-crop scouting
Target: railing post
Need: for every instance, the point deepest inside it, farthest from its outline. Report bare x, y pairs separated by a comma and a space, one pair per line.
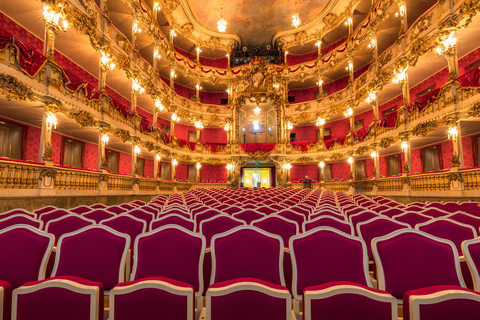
46, 181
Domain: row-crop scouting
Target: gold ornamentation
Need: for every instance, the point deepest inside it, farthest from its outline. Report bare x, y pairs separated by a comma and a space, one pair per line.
103, 178
406, 180
304, 160
47, 172
303, 107
83, 118
455, 176
455, 160
47, 155
123, 134
304, 117
15, 89
213, 160
213, 109
336, 156
259, 155
361, 150
422, 129
474, 111
386, 142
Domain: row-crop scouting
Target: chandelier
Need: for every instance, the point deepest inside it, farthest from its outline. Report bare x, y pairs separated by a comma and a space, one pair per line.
222, 24
296, 21
198, 124
257, 111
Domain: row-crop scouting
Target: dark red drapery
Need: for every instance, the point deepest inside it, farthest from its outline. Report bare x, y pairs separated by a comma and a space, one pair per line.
475, 150
253, 147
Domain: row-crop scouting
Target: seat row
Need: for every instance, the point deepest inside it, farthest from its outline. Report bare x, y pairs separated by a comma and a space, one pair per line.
330, 275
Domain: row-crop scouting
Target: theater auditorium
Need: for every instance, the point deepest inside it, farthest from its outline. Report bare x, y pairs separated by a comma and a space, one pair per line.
239, 160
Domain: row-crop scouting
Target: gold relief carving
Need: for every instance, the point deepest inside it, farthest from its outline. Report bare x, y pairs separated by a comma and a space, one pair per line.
455, 176
304, 117
124, 62
47, 155
149, 145
455, 160
422, 24
259, 155
187, 29
362, 150
406, 180
386, 142
84, 24
83, 118
213, 160
383, 60
303, 107
213, 119
15, 89
103, 163
213, 109
123, 134
213, 42
47, 172
422, 129
336, 156
474, 111
185, 158
103, 178
304, 160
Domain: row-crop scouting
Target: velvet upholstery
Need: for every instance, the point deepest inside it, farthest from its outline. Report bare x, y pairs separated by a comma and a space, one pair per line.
405, 260
328, 221
6, 299
20, 219
59, 298
126, 224
248, 215
98, 215
174, 219
171, 252
24, 251
66, 224
278, 225
143, 215
97, 253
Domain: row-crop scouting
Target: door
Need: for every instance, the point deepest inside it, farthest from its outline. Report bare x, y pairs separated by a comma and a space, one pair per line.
256, 180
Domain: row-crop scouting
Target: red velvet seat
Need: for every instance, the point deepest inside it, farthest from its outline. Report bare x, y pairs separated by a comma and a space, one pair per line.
98, 215
174, 219
144, 215
171, 252
116, 209
58, 298
20, 219
14, 212
471, 251
248, 298
347, 300
410, 259
96, 253
66, 224
204, 216
24, 251
5, 300
152, 298
324, 255
412, 218
249, 215
441, 303
52, 215
81, 209
298, 218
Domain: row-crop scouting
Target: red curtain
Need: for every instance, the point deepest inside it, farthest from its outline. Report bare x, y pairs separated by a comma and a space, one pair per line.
475, 150
470, 79
29, 60
440, 156
422, 159
252, 147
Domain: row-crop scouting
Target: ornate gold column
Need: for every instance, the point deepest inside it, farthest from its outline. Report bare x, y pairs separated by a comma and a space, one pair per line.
198, 166
135, 154
174, 165
136, 90
447, 45
376, 160
321, 177
102, 144
49, 123
454, 134
52, 16
407, 166
351, 162
198, 59
156, 161
106, 64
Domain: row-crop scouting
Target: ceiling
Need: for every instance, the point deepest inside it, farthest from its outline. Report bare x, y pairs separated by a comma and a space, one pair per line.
254, 21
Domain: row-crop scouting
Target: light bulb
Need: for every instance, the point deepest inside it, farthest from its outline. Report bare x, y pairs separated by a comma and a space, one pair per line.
222, 25
453, 133
256, 111
289, 125
320, 122
256, 125
174, 116
350, 160
198, 165
321, 164
158, 157
373, 154
174, 162
51, 121
348, 113
404, 145
229, 166
296, 21
105, 138
159, 105
136, 150
227, 126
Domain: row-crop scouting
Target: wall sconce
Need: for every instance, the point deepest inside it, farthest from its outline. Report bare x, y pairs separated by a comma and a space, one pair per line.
158, 157
106, 62
448, 43
158, 105
156, 6
276, 86
227, 126
350, 160
105, 139
348, 113
229, 166
172, 74
174, 162
51, 121
136, 150
453, 133
371, 97
136, 87
320, 122
136, 28
173, 33
350, 66
175, 117
404, 146
372, 43
320, 82
321, 164
157, 55
198, 87
373, 154
199, 124
400, 76
52, 17
288, 166
318, 43
349, 21
198, 165
289, 125
401, 12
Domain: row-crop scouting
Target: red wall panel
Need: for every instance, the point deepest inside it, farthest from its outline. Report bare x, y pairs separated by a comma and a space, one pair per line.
338, 128
124, 163
467, 152
148, 168
18, 31
302, 171
367, 117
395, 102
438, 79
216, 172
465, 62
181, 131
340, 170
32, 146
56, 147
91, 156
416, 162
305, 133
181, 171
213, 135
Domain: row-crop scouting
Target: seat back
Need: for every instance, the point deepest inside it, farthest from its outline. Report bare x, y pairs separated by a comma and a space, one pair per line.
471, 251
174, 219
278, 225
249, 252
17, 219
171, 252
25, 251
66, 224
249, 215
52, 215
412, 218
409, 259
293, 216
218, 224
448, 229
116, 209
204, 216
328, 221
377, 227
80, 209
96, 253
143, 215
326, 254
127, 224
